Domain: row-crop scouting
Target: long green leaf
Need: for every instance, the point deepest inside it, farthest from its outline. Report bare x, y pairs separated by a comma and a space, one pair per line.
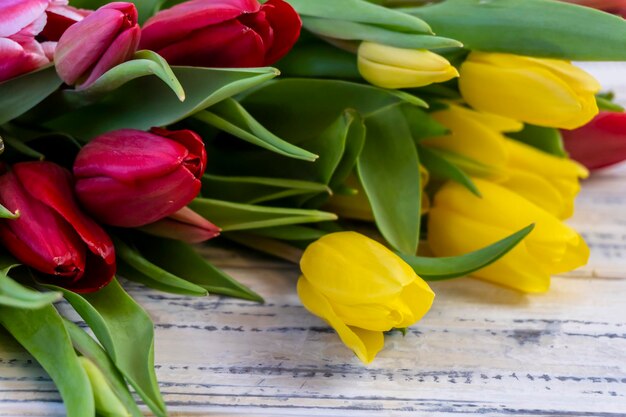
7, 214
547, 139
182, 260
18, 95
389, 171
235, 216
126, 332
435, 269
543, 28
42, 333
147, 101
438, 166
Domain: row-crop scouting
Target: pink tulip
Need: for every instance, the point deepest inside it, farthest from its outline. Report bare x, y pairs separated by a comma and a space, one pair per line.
185, 225
52, 235
104, 39
225, 33
600, 143
130, 178
60, 17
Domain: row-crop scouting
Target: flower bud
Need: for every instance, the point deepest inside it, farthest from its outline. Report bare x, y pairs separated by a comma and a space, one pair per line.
185, 225
52, 235
130, 178
600, 143
390, 67
544, 92
460, 222
104, 39
229, 33
361, 289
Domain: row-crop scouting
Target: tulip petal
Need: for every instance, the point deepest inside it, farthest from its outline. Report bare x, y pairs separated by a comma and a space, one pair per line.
17, 14
52, 185
18, 58
98, 274
364, 343
185, 225
177, 23
537, 190
286, 24
197, 158
59, 19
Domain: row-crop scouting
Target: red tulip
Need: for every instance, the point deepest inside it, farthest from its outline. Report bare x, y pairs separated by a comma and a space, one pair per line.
225, 33
99, 42
60, 17
185, 225
600, 143
52, 235
611, 6
20, 22
130, 178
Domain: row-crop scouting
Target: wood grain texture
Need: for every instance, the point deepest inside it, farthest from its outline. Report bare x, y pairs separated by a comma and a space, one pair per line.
481, 350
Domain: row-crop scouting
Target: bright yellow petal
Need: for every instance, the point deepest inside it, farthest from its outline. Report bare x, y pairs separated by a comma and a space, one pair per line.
414, 302
537, 190
365, 344
387, 76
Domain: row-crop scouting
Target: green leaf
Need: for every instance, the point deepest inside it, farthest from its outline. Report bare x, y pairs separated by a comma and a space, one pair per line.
389, 171
293, 232
145, 63
606, 104
232, 118
42, 333
18, 95
181, 259
353, 31
136, 267
13, 294
438, 166
89, 348
255, 190
422, 126
542, 28
547, 139
6, 213
23, 148
319, 60
235, 216
126, 332
145, 8
361, 11
435, 269
146, 101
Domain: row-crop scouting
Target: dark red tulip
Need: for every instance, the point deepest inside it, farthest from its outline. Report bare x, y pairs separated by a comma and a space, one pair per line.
226, 33
60, 17
610, 6
52, 235
104, 39
130, 178
185, 225
599, 143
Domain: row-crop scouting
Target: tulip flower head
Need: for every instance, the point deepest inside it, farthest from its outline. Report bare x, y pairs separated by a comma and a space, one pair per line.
130, 178
361, 289
104, 39
460, 222
52, 235
544, 92
390, 67
227, 33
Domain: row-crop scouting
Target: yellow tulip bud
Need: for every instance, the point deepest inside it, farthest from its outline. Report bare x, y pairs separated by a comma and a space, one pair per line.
544, 92
390, 67
460, 222
361, 289
474, 135
550, 182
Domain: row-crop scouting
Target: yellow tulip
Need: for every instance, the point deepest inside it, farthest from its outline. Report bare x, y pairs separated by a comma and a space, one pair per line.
544, 92
550, 182
361, 289
460, 222
390, 67
474, 135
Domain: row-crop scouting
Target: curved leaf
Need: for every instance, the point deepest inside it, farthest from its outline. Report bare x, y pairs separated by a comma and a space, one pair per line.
438, 166
547, 139
7, 214
42, 333
435, 269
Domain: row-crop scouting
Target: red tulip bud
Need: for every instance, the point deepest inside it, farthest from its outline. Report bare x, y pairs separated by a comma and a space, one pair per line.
130, 178
226, 33
599, 143
59, 18
99, 42
51, 234
185, 225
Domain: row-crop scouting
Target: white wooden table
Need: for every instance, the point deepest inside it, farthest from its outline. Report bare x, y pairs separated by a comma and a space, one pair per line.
481, 350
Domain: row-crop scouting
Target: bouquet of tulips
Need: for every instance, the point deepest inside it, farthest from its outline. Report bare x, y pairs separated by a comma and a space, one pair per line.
131, 131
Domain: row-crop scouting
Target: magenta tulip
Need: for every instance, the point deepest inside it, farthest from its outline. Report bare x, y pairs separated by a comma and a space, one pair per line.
226, 33
60, 17
51, 234
101, 41
130, 178
599, 143
185, 225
